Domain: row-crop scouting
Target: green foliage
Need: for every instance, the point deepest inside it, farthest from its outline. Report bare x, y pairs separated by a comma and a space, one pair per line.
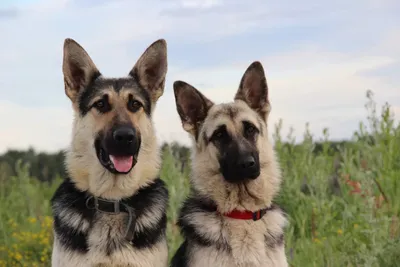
26, 224
342, 198
349, 216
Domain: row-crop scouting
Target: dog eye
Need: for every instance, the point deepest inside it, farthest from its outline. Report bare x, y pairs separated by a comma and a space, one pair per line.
101, 105
219, 134
249, 129
134, 105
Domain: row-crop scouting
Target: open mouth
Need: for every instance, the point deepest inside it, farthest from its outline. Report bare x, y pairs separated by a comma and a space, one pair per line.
115, 164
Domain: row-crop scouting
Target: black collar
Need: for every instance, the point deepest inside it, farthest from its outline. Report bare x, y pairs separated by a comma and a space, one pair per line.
106, 205
114, 207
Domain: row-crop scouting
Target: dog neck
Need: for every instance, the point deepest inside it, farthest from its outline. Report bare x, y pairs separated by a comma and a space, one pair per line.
114, 207
246, 214
107, 205
237, 213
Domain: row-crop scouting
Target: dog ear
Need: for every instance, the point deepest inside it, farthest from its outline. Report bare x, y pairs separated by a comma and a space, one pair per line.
151, 68
192, 106
78, 69
253, 89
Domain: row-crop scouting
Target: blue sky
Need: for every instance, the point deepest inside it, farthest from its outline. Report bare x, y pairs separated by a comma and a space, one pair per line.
320, 57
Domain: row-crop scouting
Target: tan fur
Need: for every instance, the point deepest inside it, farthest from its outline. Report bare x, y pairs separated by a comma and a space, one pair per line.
88, 174
84, 166
81, 161
128, 257
246, 238
205, 167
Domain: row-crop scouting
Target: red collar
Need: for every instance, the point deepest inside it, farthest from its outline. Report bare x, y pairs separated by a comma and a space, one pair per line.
247, 215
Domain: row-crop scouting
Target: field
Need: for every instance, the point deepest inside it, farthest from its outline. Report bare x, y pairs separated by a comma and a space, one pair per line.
342, 199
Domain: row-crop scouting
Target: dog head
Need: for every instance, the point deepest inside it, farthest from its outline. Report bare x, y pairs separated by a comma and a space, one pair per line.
114, 149
233, 160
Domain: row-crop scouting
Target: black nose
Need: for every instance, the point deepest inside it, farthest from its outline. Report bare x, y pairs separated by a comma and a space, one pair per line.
124, 135
247, 162
249, 167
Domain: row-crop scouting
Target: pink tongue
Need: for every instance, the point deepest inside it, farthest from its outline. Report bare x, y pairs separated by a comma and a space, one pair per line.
122, 164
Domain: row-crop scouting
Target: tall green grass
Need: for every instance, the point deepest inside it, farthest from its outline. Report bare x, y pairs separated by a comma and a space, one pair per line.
343, 204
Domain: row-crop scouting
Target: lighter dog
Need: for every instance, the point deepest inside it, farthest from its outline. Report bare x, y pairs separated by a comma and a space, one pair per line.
230, 220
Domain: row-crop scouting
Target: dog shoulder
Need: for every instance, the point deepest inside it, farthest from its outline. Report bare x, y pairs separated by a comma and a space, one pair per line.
150, 205
201, 225
71, 217
276, 221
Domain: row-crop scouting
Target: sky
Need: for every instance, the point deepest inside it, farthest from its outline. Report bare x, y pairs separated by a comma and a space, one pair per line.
320, 57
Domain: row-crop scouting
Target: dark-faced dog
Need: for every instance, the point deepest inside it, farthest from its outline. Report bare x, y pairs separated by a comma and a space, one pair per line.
111, 210
229, 219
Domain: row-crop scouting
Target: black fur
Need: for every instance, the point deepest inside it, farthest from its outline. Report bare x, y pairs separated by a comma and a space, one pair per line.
192, 236
71, 238
274, 240
238, 157
109, 143
96, 86
180, 259
151, 235
68, 198
196, 204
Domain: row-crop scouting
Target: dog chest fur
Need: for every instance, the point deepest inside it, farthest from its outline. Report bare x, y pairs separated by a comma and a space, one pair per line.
207, 256
86, 237
112, 127
156, 256
234, 168
215, 240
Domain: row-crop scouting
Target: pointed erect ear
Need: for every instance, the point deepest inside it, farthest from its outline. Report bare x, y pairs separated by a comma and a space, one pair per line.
192, 106
78, 69
151, 68
253, 89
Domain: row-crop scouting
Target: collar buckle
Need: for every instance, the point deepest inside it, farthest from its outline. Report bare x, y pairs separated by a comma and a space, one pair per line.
259, 214
115, 207
110, 204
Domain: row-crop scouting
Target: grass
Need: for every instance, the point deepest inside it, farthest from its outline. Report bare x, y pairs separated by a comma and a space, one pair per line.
343, 207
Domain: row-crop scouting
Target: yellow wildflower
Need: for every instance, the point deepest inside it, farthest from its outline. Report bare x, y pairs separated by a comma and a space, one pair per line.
340, 232
32, 220
18, 256
316, 240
